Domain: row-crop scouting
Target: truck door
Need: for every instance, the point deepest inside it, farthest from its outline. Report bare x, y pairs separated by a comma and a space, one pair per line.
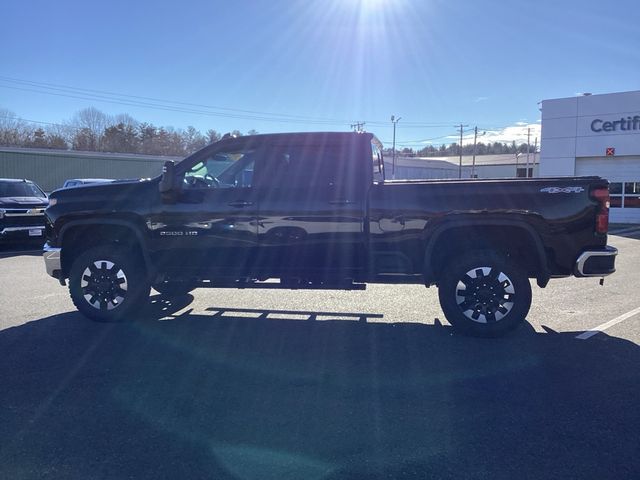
211, 228
311, 211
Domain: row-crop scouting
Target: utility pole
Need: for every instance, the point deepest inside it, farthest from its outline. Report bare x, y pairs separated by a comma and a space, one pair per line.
394, 120
358, 127
475, 142
460, 150
528, 145
535, 150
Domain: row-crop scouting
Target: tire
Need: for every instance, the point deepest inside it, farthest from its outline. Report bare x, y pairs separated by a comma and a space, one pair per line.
174, 288
484, 294
108, 284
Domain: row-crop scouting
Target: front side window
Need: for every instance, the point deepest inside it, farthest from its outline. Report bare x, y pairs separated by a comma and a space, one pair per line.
233, 169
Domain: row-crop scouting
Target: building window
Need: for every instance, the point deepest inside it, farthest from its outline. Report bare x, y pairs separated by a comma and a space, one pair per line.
624, 195
522, 172
632, 195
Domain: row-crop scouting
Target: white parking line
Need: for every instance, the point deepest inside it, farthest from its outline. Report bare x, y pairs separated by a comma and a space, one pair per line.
610, 323
624, 230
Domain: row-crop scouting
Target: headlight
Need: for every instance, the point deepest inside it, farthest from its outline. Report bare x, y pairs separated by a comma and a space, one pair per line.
52, 201
2, 211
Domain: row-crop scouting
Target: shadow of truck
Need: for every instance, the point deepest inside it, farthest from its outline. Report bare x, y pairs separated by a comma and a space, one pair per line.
248, 394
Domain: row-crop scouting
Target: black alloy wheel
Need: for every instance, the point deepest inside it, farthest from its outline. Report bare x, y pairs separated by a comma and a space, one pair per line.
484, 294
107, 283
104, 285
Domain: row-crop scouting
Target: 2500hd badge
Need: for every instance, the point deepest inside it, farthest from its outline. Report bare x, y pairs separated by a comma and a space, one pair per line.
179, 233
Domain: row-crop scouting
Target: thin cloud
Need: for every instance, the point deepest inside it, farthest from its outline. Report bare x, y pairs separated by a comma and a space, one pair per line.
512, 133
480, 99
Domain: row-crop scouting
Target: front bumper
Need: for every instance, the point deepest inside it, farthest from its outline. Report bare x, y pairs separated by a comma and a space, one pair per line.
596, 263
31, 233
52, 261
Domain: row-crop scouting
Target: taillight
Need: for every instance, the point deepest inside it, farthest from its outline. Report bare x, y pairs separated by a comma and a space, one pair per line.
601, 195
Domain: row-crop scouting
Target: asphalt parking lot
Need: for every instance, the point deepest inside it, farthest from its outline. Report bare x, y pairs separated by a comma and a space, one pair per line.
271, 384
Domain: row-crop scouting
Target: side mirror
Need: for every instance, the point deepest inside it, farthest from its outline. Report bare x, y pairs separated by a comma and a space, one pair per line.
167, 185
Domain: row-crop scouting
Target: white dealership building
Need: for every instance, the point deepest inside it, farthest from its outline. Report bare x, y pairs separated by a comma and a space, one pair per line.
596, 135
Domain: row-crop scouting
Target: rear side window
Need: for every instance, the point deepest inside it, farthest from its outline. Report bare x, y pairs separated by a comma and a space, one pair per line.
378, 165
304, 166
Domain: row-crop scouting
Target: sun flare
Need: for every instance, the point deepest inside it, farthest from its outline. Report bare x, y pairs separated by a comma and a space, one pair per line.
373, 4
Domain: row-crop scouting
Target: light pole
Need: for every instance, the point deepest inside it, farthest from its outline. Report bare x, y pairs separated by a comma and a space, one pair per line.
460, 151
528, 148
394, 120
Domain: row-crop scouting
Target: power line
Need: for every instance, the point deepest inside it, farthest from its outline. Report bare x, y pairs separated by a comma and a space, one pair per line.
209, 110
178, 106
424, 141
101, 93
62, 125
358, 126
174, 109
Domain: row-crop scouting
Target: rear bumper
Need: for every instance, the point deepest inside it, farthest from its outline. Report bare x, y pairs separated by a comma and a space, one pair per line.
52, 261
596, 263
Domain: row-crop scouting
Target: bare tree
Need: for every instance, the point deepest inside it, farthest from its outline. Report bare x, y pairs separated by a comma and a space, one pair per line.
90, 124
126, 120
212, 136
13, 131
193, 139
60, 134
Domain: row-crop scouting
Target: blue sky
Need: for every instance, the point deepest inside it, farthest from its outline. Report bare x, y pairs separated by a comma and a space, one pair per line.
435, 63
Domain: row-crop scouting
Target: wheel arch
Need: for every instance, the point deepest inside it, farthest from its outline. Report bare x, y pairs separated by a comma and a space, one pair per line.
79, 235
512, 236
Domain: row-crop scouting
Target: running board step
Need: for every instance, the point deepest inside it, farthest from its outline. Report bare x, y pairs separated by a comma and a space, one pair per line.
284, 286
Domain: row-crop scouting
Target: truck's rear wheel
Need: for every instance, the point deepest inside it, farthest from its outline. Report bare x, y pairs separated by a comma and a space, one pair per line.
484, 294
107, 283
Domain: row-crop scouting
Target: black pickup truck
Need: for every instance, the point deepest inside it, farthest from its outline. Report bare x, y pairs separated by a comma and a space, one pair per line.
22, 205
313, 211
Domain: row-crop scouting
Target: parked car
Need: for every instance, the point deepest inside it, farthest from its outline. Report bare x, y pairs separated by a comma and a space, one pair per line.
75, 182
22, 205
314, 211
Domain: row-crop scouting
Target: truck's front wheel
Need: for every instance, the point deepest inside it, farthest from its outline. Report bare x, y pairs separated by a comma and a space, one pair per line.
107, 283
484, 294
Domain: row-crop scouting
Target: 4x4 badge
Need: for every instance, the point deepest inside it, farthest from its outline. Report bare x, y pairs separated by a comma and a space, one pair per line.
562, 190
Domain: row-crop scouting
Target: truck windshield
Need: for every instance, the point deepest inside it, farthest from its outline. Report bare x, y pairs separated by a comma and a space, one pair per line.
20, 189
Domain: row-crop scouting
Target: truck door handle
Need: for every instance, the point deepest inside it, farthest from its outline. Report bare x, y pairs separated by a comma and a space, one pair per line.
341, 201
240, 204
